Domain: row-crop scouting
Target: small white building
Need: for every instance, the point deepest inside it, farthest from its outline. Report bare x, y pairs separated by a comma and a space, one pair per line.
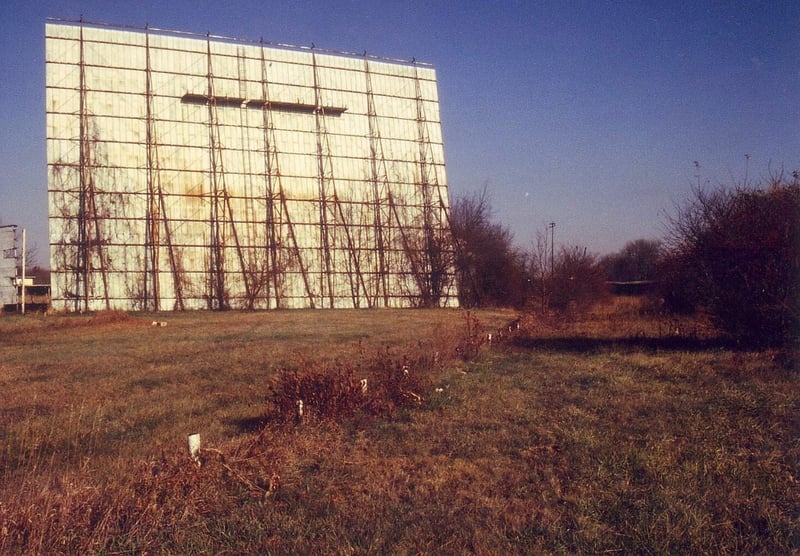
8, 265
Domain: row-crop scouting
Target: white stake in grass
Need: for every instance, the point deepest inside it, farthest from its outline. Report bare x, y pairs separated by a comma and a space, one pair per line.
194, 447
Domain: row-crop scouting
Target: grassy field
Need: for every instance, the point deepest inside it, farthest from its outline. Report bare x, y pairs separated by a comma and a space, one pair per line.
613, 433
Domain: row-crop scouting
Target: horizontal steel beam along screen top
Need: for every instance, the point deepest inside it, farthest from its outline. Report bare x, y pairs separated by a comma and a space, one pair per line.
199, 172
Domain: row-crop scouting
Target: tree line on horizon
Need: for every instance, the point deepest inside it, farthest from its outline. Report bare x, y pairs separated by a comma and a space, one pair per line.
730, 252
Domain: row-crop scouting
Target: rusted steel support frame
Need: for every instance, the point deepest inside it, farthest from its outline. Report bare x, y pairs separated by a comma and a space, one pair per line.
376, 146
238, 245
324, 157
220, 206
428, 209
152, 225
157, 210
98, 241
354, 259
82, 255
87, 199
424, 185
250, 257
270, 170
293, 237
275, 192
216, 291
325, 241
411, 255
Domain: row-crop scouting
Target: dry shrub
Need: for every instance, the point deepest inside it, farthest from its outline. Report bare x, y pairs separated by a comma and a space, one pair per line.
378, 389
324, 394
469, 345
401, 385
377, 386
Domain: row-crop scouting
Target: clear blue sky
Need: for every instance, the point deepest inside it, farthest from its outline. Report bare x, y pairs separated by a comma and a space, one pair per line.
588, 114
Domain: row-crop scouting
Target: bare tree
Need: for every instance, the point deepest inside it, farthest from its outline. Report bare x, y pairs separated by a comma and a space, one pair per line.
578, 281
637, 261
733, 252
31, 257
539, 269
490, 270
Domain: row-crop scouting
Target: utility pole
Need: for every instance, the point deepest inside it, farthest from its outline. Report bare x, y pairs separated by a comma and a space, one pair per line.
552, 227
24, 255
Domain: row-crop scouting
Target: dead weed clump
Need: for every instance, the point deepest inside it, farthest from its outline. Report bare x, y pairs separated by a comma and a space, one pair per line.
377, 387
318, 394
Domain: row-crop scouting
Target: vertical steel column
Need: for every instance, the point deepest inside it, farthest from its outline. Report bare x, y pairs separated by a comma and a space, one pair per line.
216, 291
270, 166
438, 238
377, 177
82, 256
87, 199
152, 225
157, 209
322, 179
325, 158
251, 258
293, 237
429, 295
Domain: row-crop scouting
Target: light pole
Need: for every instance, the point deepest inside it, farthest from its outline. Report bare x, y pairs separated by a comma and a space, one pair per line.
552, 227
24, 255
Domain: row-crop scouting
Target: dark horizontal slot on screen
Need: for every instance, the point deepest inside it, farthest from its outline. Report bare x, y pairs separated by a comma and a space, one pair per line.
296, 107
258, 104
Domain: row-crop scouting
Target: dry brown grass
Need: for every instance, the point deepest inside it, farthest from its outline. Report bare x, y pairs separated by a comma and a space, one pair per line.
608, 434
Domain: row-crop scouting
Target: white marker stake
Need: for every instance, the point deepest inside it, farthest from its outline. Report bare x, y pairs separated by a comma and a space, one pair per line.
194, 447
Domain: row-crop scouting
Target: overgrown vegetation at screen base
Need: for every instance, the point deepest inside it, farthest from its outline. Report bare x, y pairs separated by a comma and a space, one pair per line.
614, 431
